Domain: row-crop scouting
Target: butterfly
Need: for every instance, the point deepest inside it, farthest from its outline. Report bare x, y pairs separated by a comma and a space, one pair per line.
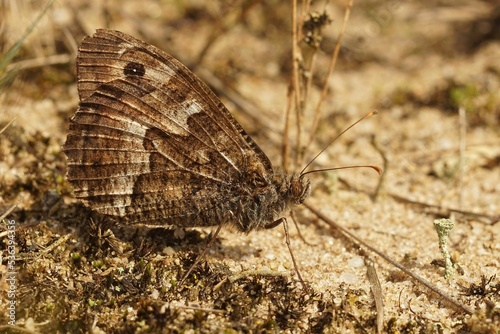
152, 143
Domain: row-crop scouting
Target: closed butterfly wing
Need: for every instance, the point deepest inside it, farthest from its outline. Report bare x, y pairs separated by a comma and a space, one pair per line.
150, 141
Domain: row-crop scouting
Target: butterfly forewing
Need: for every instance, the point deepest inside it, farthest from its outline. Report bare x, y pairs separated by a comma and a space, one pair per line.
150, 140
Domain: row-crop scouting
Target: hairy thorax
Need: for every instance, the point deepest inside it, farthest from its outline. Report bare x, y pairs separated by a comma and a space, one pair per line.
267, 201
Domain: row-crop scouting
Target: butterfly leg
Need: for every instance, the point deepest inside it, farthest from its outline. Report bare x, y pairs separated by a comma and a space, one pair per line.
283, 221
294, 220
198, 259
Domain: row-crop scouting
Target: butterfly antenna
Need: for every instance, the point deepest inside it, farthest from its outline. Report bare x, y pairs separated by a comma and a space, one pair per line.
376, 168
371, 113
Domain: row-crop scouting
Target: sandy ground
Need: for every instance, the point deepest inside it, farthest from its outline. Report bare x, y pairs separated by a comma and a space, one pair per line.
416, 63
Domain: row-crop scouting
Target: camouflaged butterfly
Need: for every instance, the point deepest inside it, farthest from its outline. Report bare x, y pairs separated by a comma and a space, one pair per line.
152, 143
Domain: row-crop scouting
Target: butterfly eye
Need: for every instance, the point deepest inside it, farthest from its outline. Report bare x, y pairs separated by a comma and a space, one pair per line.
296, 188
300, 189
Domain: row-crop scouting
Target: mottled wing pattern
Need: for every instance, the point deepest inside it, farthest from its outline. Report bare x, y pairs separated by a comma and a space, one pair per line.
150, 141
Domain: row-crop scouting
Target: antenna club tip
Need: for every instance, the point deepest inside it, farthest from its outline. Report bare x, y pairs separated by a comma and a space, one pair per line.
378, 169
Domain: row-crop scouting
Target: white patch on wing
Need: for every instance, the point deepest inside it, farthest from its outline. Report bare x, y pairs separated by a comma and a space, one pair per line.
134, 127
193, 108
122, 51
